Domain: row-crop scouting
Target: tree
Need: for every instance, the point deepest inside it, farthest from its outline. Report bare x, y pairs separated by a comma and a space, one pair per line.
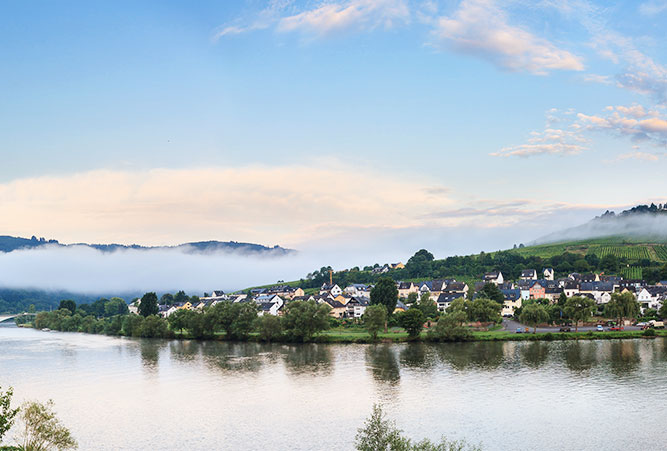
457, 305
374, 319
154, 327
167, 299
269, 327
578, 308
622, 305
412, 298
609, 263
115, 306
68, 304
148, 305
7, 414
491, 291
181, 297
303, 319
236, 319
413, 322
379, 434
534, 314
385, 292
43, 430
428, 306
450, 327
179, 320
484, 310
663, 311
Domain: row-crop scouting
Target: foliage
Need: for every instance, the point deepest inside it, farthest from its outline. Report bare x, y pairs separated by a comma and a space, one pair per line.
381, 434
649, 332
7, 414
491, 291
428, 306
374, 319
413, 322
385, 292
484, 310
148, 305
43, 430
578, 308
534, 314
622, 305
450, 328
303, 319
269, 327
235, 318
68, 304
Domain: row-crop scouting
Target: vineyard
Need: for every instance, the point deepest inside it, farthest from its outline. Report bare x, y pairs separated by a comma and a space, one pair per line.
661, 252
632, 253
631, 273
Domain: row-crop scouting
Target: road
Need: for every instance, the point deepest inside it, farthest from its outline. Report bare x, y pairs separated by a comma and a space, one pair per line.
511, 326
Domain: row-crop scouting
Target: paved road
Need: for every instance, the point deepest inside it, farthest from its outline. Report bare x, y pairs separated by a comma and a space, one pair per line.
511, 325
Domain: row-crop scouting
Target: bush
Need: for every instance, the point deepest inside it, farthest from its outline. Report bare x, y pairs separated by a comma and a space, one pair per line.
649, 333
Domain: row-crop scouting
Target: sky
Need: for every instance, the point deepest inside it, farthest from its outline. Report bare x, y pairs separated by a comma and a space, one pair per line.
367, 127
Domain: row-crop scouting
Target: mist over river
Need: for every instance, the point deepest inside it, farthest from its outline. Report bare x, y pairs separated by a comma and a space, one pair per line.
137, 394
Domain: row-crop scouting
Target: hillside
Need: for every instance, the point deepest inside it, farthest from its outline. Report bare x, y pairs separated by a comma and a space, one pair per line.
11, 243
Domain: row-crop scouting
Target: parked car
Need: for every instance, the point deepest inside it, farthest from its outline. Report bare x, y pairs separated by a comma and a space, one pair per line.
519, 330
616, 328
641, 325
599, 328
566, 329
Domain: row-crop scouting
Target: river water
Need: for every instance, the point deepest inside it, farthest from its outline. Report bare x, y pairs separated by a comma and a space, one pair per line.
132, 394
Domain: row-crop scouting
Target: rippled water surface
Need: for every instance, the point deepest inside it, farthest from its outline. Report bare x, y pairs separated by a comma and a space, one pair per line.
128, 394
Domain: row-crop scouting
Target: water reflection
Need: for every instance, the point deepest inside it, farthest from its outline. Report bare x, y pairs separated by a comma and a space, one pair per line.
580, 356
535, 354
150, 353
233, 357
417, 355
383, 363
483, 355
624, 357
308, 358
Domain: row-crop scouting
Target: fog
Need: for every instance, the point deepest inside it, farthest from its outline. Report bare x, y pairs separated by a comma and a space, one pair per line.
82, 269
646, 226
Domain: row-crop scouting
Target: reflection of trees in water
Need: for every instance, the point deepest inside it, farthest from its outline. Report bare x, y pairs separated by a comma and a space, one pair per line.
624, 357
580, 356
150, 353
307, 358
234, 356
417, 355
184, 350
485, 355
382, 361
534, 354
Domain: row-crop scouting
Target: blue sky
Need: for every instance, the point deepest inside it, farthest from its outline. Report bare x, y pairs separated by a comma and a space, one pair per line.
345, 121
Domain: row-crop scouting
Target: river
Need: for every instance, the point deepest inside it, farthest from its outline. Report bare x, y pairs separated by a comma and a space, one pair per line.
133, 394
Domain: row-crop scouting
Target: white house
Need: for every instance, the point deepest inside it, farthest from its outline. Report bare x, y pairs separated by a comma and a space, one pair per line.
528, 274
548, 273
495, 277
334, 289
269, 304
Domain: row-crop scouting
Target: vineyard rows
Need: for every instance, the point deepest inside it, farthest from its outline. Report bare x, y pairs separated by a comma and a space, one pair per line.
661, 252
628, 252
631, 273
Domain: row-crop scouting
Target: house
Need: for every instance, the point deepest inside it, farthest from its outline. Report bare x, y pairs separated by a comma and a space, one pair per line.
381, 270
332, 289
398, 265
652, 296
495, 277
445, 300
269, 304
601, 291
405, 288
512, 301
548, 273
338, 309
528, 274
570, 288
662, 283
400, 307
357, 306
454, 287
552, 293
537, 291
358, 289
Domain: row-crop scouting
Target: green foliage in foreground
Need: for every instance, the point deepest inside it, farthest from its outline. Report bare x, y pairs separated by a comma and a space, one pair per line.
7, 414
381, 434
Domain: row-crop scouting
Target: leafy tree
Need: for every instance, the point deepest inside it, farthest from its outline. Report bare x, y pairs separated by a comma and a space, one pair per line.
484, 310
167, 299
491, 291
181, 297
428, 306
534, 314
385, 292
148, 305
374, 319
579, 308
179, 320
450, 327
457, 305
115, 306
303, 319
622, 305
412, 298
68, 304
269, 327
43, 430
7, 414
235, 318
413, 322
154, 327
562, 299
609, 263
663, 311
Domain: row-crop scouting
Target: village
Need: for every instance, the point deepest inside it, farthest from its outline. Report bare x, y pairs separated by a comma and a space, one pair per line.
352, 300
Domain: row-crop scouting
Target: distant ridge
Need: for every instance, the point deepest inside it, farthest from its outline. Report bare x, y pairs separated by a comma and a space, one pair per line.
641, 223
11, 243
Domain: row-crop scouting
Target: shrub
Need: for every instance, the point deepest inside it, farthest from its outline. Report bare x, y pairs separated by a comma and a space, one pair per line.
649, 333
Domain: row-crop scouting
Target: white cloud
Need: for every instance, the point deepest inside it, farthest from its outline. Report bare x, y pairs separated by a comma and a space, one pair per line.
595, 78
643, 156
634, 121
653, 7
551, 141
481, 28
352, 14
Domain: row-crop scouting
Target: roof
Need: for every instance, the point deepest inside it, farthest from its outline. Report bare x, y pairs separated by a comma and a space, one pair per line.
491, 275
596, 286
399, 304
456, 286
511, 295
445, 298
405, 285
528, 273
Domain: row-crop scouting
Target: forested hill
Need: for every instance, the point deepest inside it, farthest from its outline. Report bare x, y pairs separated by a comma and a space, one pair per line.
10, 243
645, 223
